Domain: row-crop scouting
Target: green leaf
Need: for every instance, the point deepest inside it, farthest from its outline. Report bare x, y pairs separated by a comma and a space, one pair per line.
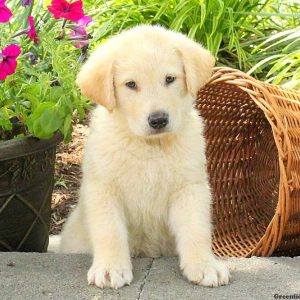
51, 120
263, 62
180, 18
67, 130
193, 30
162, 10
202, 14
55, 93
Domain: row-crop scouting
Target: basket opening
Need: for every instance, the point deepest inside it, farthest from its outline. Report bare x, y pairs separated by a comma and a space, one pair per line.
242, 166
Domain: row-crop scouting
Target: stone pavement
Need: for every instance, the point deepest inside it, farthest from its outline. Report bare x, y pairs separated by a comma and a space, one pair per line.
63, 276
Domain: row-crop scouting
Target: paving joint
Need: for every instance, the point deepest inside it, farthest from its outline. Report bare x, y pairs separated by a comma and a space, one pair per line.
145, 279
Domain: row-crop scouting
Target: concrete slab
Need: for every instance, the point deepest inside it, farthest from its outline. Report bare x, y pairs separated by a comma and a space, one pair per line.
60, 276
252, 278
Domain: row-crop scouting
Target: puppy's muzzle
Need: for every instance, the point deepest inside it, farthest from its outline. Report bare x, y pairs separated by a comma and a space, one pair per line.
158, 120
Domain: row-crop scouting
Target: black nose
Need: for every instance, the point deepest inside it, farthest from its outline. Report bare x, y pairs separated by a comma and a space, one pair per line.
158, 119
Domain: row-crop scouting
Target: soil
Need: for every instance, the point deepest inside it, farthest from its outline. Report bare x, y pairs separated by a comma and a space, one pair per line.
67, 177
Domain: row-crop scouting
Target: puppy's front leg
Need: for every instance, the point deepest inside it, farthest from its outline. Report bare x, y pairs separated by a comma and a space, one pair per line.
190, 222
108, 235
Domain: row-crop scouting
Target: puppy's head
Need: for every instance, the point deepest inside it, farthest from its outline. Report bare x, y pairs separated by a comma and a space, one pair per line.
148, 75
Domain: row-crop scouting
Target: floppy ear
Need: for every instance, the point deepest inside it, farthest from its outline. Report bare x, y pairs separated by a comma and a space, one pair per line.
95, 78
198, 63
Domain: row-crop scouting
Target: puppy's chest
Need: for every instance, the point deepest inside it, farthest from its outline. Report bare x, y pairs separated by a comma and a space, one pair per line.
148, 179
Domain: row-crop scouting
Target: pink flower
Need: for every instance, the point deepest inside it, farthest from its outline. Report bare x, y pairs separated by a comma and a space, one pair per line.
69, 11
32, 32
79, 33
84, 21
5, 12
9, 60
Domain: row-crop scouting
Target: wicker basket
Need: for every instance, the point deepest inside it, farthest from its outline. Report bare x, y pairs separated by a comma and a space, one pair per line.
253, 150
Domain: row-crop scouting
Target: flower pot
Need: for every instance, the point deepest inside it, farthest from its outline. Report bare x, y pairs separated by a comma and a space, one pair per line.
26, 184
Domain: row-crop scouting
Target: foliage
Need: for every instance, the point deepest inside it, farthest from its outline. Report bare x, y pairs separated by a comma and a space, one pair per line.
279, 58
260, 37
41, 97
239, 33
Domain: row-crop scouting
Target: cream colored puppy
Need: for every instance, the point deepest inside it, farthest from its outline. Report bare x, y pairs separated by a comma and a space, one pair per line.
144, 189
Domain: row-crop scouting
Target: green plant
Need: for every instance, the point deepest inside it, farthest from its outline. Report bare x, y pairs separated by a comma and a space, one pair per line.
40, 97
231, 29
279, 57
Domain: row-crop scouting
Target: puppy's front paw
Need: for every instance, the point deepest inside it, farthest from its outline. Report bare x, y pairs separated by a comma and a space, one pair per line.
109, 276
210, 273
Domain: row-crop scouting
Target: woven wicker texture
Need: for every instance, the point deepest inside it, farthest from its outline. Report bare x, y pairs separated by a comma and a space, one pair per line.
253, 150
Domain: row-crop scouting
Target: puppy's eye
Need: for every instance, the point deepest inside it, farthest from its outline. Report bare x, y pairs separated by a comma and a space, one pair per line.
131, 84
170, 79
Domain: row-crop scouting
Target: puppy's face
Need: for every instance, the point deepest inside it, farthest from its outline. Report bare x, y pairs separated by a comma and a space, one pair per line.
150, 90
149, 76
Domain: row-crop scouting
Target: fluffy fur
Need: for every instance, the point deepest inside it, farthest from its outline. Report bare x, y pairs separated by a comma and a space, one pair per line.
144, 191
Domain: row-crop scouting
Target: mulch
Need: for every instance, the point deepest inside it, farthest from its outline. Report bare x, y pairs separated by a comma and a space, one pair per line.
67, 177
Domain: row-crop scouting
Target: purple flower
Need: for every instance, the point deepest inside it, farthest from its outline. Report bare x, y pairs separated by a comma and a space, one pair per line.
27, 2
79, 33
8, 60
84, 21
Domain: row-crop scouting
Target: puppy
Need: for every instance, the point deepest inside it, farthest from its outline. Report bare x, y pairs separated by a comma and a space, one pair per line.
145, 190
